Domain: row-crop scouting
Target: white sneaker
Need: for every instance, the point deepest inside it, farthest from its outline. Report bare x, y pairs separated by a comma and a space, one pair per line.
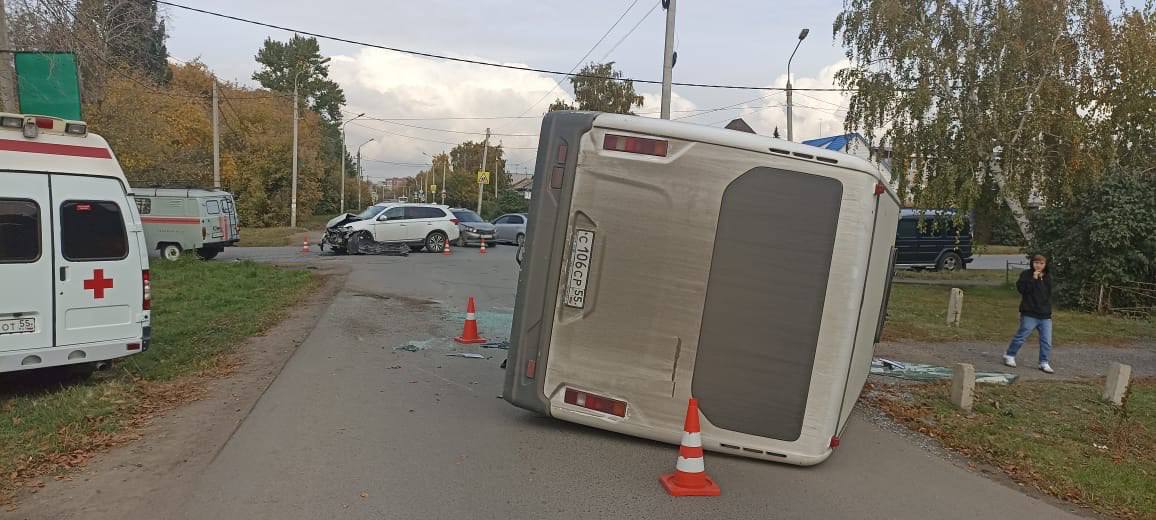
1009, 360
1047, 368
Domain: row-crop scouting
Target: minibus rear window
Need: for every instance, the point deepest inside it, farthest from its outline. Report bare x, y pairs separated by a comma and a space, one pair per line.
92, 230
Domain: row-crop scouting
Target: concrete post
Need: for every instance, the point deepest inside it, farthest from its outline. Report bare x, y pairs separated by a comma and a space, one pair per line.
1119, 376
955, 307
963, 386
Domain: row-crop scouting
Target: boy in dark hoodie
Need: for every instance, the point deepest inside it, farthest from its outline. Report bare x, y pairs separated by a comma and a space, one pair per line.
1035, 287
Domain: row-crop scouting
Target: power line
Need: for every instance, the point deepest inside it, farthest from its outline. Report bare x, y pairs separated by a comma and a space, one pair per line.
728, 106
558, 82
446, 129
396, 163
631, 31
478, 62
354, 123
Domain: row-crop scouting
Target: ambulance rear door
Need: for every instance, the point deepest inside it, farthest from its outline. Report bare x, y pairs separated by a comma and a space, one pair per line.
99, 269
25, 262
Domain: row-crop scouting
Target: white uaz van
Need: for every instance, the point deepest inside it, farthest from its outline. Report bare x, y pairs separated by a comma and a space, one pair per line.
74, 272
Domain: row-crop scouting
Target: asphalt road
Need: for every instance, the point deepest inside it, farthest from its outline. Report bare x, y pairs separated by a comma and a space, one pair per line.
355, 428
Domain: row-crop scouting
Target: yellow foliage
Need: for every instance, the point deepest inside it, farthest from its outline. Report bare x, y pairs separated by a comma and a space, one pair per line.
163, 135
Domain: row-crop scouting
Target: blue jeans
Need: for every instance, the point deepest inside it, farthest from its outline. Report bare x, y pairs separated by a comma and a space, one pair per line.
1027, 325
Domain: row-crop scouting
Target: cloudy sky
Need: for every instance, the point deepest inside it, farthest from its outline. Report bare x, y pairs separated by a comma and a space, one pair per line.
742, 42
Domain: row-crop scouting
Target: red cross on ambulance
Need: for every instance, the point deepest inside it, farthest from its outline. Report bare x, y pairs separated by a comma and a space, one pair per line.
98, 284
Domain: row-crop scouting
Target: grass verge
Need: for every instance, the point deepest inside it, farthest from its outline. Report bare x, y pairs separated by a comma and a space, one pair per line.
269, 237
1057, 437
919, 313
200, 310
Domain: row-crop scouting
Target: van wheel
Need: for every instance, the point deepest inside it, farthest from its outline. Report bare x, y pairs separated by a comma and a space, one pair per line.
208, 253
171, 252
435, 242
949, 262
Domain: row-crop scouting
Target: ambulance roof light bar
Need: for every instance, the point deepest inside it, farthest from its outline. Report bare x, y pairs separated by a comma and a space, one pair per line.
31, 125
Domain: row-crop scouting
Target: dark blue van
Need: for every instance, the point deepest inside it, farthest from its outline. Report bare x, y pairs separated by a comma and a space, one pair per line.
940, 242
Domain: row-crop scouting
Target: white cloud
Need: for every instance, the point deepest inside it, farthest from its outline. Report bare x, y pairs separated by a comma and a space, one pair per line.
651, 105
387, 84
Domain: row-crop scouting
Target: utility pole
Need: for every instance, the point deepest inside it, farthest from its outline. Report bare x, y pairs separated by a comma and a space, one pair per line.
668, 58
494, 173
485, 150
444, 165
790, 105
360, 172
7, 75
216, 138
293, 204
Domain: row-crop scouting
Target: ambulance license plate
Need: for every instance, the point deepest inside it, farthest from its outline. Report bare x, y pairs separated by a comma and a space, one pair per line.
18, 326
581, 253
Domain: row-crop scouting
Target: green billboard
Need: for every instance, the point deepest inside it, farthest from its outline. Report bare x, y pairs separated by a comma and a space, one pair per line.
48, 84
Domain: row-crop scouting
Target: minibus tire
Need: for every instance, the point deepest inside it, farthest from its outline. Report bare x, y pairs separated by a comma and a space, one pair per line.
171, 252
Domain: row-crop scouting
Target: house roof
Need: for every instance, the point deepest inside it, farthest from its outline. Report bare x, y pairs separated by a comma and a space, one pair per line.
837, 143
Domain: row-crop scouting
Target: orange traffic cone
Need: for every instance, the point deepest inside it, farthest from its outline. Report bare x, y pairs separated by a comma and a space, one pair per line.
446, 250
470, 332
689, 478
482, 251
305, 246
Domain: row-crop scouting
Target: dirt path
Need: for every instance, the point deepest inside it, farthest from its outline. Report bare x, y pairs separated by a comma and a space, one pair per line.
1070, 361
177, 446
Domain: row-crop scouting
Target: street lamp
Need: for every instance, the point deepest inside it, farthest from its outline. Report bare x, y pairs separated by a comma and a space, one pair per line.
293, 204
790, 107
343, 151
360, 171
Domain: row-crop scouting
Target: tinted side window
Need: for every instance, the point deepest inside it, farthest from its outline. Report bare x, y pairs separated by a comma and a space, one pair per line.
92, 230
213, 207
517, 219
424, 212
19, 231
505, 220
394, 214
907, 228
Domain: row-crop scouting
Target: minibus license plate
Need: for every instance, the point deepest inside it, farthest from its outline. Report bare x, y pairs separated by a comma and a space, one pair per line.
18, 326
581, 253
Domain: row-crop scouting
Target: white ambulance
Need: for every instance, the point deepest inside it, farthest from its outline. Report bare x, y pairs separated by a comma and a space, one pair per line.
74, 272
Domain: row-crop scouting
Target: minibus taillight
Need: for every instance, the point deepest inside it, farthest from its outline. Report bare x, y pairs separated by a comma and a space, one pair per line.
629, 144
595, 402
147, 291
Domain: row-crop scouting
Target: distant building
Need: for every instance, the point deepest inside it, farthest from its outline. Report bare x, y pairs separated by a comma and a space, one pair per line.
522, 183
853, 144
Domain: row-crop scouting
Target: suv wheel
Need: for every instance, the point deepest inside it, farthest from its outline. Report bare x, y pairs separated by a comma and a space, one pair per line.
435, 242
949, 262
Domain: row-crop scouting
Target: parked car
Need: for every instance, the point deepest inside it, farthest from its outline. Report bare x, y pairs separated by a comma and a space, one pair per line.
511, 228
187, 219
472, 228
418, 226
941, 242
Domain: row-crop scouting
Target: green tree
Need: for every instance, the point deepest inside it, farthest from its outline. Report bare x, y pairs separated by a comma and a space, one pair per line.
600, 93
1105, 238
300, 58
142, 43
970, 90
